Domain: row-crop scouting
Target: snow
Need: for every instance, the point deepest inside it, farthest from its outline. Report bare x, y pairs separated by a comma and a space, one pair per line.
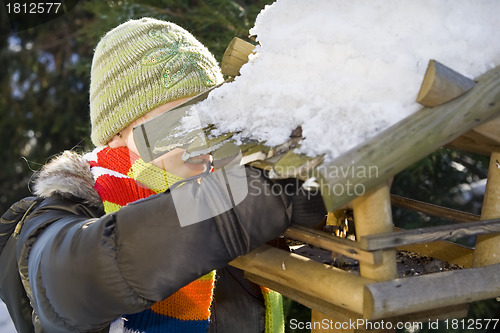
346, 70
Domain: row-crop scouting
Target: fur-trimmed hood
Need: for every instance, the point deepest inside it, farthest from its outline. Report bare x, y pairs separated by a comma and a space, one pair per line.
69, 176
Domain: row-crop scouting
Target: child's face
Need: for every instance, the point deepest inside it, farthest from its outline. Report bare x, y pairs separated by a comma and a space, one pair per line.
171, 161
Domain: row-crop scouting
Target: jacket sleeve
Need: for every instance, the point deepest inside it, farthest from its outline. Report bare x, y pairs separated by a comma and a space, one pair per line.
83, 271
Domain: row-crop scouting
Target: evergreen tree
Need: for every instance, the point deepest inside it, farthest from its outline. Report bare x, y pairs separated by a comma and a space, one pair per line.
44, 100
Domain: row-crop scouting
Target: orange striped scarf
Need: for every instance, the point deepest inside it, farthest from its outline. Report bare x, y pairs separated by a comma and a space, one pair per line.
122, 177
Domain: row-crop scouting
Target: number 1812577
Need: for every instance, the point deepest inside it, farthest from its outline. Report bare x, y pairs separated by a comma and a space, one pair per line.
471, 324
33, 7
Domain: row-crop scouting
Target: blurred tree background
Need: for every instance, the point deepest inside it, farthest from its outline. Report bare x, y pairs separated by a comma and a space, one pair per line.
44, 85
44, 101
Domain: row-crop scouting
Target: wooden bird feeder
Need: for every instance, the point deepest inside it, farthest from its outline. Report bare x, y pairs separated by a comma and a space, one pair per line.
460, 113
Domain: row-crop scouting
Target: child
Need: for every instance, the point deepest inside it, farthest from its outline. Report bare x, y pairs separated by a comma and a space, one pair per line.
102, 247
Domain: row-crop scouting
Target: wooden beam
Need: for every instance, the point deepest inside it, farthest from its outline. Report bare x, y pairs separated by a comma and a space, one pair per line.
335, 244
425, 292
322, 281
441, 84
434, 210
448, 312
483, 139
294, 165
420, 133
235, 56
314, 303
490, 130
442, 250
340, 314
429, 234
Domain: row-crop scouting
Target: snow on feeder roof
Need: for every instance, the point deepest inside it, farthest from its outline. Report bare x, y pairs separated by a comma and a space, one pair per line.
345, 71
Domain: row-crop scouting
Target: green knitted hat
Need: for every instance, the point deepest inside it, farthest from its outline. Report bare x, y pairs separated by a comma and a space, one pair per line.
141, 65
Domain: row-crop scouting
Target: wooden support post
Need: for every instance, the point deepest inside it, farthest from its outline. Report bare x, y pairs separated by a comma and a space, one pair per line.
372, 215
487, 251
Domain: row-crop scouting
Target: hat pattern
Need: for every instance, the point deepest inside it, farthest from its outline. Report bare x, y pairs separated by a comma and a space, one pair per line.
179, 57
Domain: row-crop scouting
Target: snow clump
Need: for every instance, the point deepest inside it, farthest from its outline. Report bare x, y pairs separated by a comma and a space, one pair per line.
347, 70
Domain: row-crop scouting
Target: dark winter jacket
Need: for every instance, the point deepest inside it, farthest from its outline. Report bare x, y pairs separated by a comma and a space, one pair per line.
80, 268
